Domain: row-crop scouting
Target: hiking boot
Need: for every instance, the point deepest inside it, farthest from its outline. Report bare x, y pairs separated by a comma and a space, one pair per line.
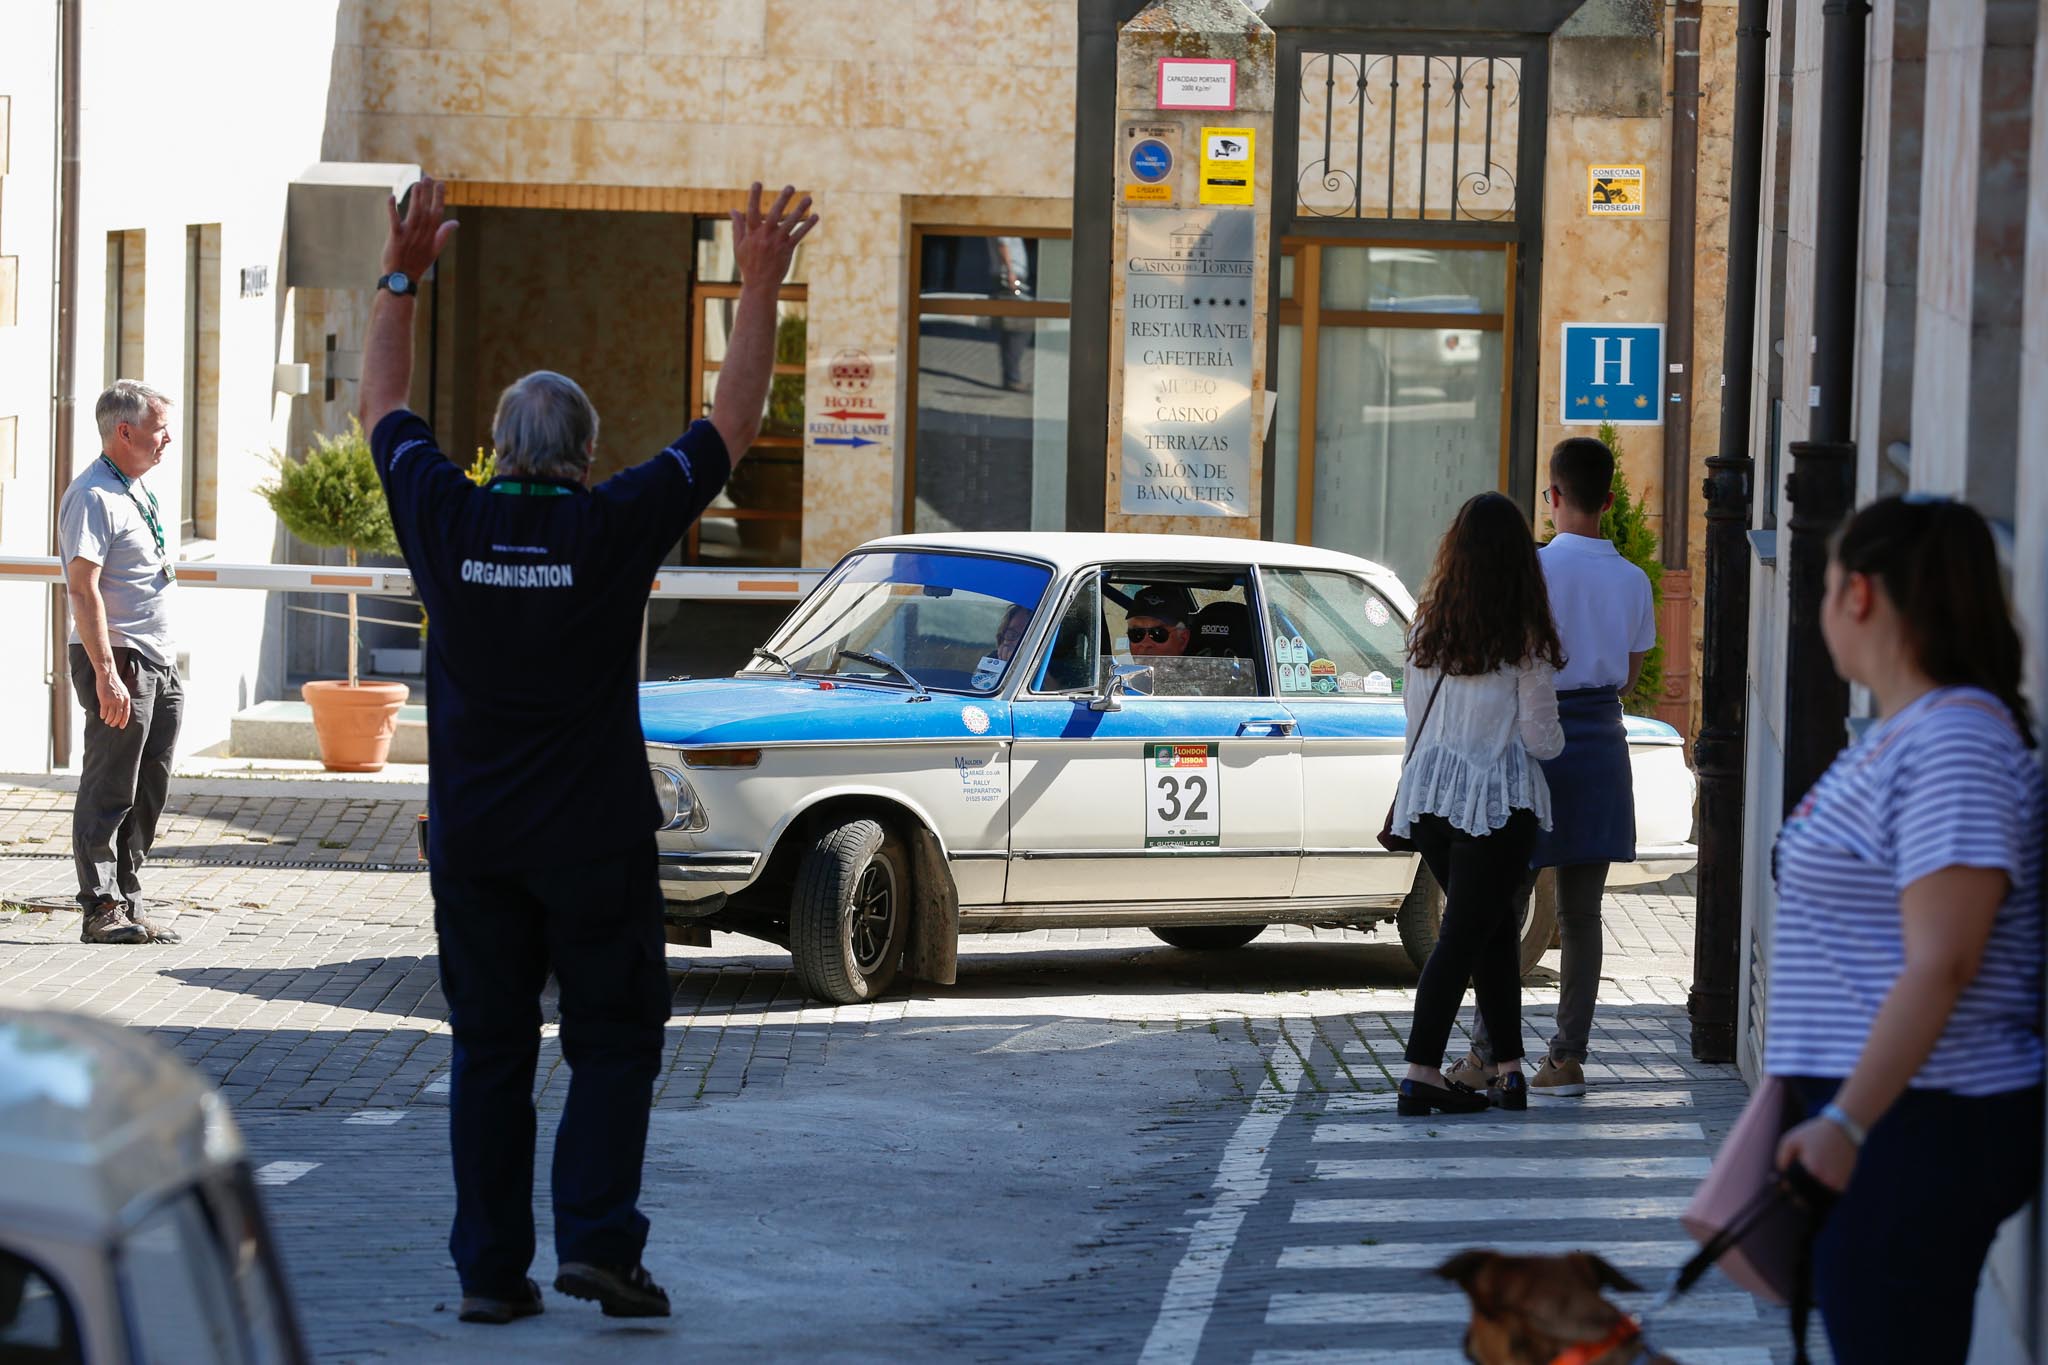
1470, 1072
623, 1292
155, 932
108, 922
1559, 1076
501, 1309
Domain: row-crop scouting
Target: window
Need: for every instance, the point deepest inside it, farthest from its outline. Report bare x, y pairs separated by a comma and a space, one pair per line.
125, 261
1334, 634
987, 448
1186, 630
36, 1322
173, 1279
197, 461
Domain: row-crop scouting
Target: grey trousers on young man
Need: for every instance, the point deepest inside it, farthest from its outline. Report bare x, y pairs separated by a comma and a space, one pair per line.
1579, 889
123, 777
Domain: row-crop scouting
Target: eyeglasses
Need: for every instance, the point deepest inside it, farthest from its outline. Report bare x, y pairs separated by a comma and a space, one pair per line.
1157, 634
1550, 498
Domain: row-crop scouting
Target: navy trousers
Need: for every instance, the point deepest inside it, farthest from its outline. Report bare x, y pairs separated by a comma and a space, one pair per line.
598, 924
1896, 1266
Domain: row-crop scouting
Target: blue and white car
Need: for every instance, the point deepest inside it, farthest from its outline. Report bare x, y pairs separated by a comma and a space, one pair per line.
884, 776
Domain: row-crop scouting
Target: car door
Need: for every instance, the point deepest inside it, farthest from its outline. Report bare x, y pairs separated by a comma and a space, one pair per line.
1340, 643
1164, 798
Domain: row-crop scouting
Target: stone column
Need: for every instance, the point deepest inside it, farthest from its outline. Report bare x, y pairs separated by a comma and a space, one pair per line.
1192, 238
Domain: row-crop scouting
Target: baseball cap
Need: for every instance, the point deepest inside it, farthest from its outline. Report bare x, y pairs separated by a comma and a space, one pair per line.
1167, 602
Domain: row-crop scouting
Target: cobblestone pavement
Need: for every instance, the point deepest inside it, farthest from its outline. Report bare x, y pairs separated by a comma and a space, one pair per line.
1092, 1147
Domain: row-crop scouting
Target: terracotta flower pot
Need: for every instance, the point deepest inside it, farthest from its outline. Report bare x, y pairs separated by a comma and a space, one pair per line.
354, 724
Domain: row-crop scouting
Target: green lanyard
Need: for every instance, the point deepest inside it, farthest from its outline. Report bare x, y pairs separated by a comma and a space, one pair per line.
148, 509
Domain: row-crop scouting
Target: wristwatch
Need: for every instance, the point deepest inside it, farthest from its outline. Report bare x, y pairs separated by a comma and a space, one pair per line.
399, 283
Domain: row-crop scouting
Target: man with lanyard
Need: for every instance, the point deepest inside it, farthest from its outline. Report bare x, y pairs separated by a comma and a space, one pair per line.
1607, 622
540, 812
118, 575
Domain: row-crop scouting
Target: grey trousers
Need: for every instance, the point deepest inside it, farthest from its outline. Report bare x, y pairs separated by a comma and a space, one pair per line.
1579, 889
124, 776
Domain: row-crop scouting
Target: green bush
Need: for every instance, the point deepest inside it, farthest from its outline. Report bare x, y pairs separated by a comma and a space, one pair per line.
330, 498
1627, 524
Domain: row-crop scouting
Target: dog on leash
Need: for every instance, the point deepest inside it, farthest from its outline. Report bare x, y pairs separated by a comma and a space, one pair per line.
1546, 1310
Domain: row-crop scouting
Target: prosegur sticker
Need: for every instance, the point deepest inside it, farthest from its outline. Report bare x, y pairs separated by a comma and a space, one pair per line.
1614, 191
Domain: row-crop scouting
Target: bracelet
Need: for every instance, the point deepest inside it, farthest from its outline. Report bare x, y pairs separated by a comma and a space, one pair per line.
1851, 1129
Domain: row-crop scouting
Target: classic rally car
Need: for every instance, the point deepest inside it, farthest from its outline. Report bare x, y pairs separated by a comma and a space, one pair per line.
968, 734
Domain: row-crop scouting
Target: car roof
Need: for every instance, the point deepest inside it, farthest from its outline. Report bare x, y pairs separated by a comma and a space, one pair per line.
95, 1119
1073, 549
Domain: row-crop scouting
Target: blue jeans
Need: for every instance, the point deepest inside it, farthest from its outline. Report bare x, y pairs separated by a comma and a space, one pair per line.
1896, 1265
599, 925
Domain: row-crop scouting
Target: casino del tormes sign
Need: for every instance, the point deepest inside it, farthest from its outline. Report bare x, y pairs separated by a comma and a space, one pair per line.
1188, 363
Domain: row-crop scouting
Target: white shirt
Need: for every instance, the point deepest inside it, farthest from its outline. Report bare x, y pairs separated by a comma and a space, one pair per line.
1469, 760
1602, 607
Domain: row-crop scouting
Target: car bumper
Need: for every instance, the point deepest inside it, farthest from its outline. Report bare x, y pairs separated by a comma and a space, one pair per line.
1654, 862
699, 875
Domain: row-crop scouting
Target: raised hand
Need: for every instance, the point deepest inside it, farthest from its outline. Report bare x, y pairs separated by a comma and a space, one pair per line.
763, 244
417, 239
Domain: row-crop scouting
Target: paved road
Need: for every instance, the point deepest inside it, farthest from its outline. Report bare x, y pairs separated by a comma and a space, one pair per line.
1093, 1147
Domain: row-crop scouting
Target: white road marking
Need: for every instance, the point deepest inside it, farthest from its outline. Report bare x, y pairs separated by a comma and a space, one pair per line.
282, 1172
1382, 1102
1327, 1310
1429, 1255
1420, 1212
378, 1117
440, 1085
1518, 1168
1241, 1180
1461, 1130
1348, 1355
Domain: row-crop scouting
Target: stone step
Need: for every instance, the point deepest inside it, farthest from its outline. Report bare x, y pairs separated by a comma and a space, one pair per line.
284, 729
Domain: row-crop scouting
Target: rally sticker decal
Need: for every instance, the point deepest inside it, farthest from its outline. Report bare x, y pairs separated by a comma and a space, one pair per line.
1322, 676
975, 719
1183, 796
1376, 611
1378, 684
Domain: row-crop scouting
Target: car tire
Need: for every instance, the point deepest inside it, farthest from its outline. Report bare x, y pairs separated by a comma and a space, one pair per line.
1208, 938
1423, 911
850, 915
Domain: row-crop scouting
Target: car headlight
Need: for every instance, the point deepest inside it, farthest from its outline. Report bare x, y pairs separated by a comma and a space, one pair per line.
680, 807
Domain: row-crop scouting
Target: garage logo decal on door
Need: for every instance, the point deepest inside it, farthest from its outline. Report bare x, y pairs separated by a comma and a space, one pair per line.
1183, 796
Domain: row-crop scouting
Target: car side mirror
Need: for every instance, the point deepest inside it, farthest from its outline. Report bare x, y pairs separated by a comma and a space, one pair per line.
1118, 682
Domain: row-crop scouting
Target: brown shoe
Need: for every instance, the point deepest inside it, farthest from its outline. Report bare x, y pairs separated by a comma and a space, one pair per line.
1471, 1073
156, 932
1559, 1076
108, 922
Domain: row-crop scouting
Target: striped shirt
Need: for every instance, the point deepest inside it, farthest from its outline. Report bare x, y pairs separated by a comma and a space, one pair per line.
1944, 783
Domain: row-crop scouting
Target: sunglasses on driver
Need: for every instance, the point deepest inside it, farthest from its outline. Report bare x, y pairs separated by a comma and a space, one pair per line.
1157, 634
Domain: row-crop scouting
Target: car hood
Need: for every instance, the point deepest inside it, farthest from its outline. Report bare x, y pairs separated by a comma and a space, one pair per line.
777, 710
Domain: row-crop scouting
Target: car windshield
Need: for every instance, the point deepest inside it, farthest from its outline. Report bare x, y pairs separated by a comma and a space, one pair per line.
952, 622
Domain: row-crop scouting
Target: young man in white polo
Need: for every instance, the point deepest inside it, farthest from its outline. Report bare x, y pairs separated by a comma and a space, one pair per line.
1607, 621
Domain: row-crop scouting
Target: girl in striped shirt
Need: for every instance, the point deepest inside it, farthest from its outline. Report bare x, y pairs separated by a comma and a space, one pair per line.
1906, 969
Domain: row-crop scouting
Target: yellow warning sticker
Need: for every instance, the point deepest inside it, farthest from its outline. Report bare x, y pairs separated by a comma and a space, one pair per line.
1614, 191
1228, 165
1148, 194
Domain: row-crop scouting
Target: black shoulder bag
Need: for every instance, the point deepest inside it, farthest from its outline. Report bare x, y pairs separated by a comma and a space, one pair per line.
1401, 843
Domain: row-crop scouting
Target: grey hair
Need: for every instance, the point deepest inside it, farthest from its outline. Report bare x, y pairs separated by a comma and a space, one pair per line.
545, 426
126, 400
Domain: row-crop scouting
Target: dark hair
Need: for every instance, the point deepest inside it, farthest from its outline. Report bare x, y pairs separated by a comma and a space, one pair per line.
1584, 469
1935, 560
1485, 604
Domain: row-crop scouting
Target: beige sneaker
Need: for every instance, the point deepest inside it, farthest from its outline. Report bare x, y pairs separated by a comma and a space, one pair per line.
1559, 1076
1470, 1072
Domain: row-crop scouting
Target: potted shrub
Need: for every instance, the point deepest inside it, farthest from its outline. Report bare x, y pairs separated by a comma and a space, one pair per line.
330, 497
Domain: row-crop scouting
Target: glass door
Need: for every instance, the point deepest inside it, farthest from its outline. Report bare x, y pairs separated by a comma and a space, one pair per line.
1394, 382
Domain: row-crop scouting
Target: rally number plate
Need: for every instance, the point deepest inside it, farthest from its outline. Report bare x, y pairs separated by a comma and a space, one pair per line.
1183, 796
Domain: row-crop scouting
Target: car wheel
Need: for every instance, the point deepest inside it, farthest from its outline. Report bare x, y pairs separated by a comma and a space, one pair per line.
1208, 938
850, 915
1423, 911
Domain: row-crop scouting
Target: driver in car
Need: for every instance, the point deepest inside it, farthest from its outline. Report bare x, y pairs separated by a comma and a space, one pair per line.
1157, 623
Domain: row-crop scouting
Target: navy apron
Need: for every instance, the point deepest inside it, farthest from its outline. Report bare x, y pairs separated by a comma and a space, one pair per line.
1592, 796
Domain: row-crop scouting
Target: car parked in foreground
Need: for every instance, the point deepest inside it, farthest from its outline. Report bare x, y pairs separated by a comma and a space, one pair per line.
885, 776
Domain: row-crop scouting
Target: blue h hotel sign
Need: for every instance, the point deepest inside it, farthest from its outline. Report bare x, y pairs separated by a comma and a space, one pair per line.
1613, 373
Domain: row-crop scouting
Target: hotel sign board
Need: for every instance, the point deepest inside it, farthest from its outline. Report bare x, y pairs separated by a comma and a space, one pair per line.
1187, 442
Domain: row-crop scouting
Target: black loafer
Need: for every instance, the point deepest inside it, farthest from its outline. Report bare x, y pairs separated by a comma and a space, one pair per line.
1511, 1092
628, 1292
1417, 1099
501, 1309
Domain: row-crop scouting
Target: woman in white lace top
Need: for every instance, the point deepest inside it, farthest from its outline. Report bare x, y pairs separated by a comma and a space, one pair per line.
1481, 702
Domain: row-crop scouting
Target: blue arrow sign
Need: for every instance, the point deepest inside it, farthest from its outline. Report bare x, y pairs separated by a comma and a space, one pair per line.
855, 441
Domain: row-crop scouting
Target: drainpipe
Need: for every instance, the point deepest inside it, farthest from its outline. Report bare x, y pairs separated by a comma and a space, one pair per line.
1822, 485
1678, 291
1718, 750
64, 363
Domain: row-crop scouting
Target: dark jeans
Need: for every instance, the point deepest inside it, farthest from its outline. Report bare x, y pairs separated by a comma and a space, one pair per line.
1895, 1269
1579, 890
598, 924
123, 776
1478, 942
